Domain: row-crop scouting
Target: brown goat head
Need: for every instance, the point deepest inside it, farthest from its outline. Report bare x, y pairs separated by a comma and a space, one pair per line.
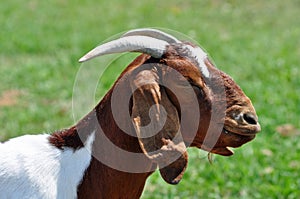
180, 99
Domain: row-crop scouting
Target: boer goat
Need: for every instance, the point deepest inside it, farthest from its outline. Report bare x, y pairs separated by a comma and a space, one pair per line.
169, 98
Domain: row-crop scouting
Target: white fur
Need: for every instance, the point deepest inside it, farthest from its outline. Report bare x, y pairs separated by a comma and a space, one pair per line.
200, 57
31, 168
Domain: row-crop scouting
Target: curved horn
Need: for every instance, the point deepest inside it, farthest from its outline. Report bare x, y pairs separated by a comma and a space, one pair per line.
152, 46
152, 33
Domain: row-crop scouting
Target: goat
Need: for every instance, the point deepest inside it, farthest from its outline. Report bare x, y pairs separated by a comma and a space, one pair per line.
176, 98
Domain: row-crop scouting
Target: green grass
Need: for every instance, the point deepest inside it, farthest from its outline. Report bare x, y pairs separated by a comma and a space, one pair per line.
256, 42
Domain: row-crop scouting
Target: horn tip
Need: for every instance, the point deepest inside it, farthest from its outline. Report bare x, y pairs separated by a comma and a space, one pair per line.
83, 59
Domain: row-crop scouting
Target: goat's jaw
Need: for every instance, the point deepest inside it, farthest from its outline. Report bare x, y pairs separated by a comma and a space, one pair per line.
225, 151
236, 140
226, 141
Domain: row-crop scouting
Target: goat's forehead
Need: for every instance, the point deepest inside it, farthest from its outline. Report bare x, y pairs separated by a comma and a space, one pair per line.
195, 54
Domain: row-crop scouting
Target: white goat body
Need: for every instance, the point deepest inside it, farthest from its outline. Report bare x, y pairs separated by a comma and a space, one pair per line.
32, 168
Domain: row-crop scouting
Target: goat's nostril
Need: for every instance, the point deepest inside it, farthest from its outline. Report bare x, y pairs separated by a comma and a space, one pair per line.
250, 118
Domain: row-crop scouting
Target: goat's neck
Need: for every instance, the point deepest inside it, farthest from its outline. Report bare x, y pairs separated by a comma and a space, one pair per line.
112, 173
102, 178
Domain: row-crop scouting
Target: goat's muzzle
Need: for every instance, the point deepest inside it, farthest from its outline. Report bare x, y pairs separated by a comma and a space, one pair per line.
242, 121
239, 128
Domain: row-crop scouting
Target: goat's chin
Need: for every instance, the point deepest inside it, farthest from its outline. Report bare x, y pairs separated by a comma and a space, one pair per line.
226, 151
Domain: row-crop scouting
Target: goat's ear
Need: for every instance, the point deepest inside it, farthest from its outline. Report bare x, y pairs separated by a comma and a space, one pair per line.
157, 125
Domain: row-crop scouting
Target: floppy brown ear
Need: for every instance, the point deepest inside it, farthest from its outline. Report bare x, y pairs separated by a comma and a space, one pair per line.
157, 125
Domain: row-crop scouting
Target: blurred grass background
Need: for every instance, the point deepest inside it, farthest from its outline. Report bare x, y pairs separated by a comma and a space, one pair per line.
256, 42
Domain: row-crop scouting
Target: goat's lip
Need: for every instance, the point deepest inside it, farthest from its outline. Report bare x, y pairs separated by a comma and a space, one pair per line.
240, 138
251, 131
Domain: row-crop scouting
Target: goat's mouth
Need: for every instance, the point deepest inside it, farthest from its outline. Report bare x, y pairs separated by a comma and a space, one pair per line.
248, 130
227, 140
232, 139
